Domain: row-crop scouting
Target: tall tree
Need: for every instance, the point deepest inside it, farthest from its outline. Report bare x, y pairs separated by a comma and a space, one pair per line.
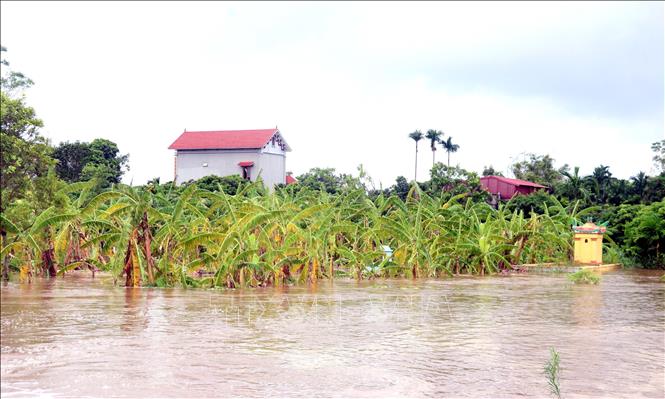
539, 169
574, 188
72, 158
98, 160
434, 137
449, 146
416, 135
600, 179
24, 153
659, 154
639, 185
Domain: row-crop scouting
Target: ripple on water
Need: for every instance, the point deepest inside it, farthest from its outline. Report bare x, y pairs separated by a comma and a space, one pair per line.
468, 337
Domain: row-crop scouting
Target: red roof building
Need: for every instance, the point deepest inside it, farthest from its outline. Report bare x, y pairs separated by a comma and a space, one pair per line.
506, 188
248, 153
290, 180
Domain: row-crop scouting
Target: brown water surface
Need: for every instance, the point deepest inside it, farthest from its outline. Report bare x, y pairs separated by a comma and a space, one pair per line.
465, 337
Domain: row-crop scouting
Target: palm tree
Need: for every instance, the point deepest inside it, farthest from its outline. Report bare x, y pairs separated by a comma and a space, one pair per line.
640, 182
416, 136
449, 147
574, 187
435, 137
600, 178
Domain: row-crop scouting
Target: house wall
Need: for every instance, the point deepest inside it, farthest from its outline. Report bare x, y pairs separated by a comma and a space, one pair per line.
495, 187
272, 168
189, 165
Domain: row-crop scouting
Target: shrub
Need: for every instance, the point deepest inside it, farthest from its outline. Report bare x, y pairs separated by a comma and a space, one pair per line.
584, 276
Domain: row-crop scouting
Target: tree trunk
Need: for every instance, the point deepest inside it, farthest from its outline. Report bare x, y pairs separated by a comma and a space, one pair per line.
241, 277
415, 174
520, 248
132, 269
315, 269
146, 238
48, 266
449, 159
5, 260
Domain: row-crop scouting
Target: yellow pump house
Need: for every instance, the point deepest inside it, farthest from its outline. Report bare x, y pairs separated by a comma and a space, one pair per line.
589, 243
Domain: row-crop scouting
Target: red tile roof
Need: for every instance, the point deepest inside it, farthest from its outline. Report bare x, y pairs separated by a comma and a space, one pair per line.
223, 140
515, 182
290, 180
246, 163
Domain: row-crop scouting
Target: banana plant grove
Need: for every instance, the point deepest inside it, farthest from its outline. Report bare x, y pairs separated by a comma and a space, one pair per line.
201, 238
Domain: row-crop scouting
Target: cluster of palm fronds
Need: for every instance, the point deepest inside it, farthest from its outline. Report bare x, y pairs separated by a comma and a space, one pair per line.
211, 239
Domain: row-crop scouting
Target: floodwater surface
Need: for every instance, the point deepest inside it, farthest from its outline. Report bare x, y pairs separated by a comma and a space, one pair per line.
463, 337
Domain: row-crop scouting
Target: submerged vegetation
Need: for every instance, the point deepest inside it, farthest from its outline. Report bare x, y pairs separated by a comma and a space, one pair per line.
584, 276
551, 370
164, 236
63, 208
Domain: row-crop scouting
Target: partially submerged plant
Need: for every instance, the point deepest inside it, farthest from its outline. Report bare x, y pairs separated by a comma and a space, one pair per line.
551, 370
584, 276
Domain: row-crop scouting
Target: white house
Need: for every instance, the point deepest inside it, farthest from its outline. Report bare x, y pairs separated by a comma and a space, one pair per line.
247, 153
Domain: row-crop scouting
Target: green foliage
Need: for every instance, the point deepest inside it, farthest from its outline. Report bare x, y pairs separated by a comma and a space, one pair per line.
12, 81
401, 188
98, 161
24, 153
552, 369
228, 184
449, 146
165, 235
490, 171
104, 164
416, 136
538, 169
72, 158
584, 276
325, 179
659, 155
454, 180
536, 202
645, 235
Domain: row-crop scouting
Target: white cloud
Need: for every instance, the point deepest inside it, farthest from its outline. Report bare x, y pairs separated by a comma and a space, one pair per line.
342, 81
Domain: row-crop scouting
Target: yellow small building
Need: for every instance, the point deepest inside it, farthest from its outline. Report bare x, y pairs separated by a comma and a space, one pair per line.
589, 244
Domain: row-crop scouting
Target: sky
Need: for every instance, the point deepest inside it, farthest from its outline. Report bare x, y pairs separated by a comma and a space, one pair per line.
346, 82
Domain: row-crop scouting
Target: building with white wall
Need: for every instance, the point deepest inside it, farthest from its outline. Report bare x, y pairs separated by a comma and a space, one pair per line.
248, 153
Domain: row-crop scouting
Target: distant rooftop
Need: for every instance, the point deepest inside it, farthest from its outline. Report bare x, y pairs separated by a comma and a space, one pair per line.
515, 182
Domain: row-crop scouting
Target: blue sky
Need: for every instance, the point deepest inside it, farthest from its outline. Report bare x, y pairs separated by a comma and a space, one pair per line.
346, 82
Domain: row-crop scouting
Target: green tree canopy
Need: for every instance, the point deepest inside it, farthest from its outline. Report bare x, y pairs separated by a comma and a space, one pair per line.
24, 153
98, 160
538, 169
72, 158
490, 171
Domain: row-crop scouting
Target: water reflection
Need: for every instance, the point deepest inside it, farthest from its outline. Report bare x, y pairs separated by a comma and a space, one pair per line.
462, 338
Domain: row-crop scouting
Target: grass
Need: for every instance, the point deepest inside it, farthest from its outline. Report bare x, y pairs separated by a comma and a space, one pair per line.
551, 370
584, 276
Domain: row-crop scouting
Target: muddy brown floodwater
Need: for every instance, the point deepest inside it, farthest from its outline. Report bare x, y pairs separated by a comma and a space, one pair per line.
464, 337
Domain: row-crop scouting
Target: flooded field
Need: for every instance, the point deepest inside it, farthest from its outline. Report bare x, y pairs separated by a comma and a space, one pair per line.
463, 337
